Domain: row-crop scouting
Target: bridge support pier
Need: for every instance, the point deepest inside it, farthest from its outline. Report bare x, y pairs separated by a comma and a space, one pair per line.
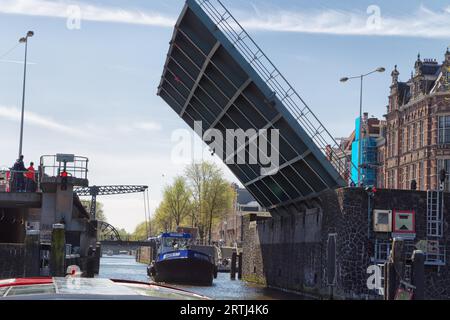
32, 254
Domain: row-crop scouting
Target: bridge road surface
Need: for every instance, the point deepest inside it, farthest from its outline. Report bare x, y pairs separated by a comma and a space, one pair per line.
125, 267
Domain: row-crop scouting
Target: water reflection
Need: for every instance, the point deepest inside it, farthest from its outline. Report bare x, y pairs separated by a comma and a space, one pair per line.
125, 267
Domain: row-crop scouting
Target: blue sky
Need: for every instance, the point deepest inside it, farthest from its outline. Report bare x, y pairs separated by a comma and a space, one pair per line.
92, 91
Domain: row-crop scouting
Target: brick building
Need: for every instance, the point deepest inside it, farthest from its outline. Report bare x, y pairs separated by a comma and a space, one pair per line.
229, 229
417, 144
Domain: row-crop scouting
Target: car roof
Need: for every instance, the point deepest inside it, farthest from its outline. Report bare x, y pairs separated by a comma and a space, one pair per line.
88, 288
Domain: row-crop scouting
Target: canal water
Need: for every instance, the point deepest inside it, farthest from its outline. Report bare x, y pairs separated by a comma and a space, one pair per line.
125, 267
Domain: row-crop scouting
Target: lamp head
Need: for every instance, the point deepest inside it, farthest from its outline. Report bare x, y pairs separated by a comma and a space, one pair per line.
381, 69
345, 79
30, 33
23, 40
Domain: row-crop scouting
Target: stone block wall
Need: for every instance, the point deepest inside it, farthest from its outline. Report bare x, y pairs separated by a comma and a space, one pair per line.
144, 255
289, 250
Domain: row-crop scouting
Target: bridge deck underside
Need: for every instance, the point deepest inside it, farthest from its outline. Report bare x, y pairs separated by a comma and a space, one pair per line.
205, 79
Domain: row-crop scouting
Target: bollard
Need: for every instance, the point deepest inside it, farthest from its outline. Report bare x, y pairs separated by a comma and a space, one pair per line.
32, 253
233, 266
240, 266
390, 281
394, 269
418, 274
58, 251
98, 254
90, 263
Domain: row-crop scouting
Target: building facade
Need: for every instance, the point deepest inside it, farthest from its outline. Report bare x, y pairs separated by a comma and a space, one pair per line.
417, 144
229, 229
372, 139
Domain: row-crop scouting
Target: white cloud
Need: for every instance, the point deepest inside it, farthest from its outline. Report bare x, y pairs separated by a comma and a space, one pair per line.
140, 126
14, 114
148, 126
423, 22
59, 9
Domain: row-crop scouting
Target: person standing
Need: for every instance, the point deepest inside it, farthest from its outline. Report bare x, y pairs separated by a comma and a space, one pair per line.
19, 178
30, 178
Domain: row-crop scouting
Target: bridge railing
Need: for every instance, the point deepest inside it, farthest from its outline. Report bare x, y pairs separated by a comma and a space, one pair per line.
10, 182
253, 54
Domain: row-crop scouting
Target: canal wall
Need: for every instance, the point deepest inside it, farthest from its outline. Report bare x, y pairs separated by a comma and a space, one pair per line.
12, 260
144, 255
289, 250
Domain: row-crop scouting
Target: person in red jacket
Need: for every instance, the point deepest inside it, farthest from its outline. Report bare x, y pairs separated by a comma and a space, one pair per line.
30, 177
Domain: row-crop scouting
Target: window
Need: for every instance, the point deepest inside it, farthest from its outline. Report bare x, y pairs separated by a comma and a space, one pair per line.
382, 250
421, 134
421, 176
402, 178
414, 137
407, 181
413, 175
444, 130
443, 164
389, 178
394, 143
408, 139
405, 140
389, 145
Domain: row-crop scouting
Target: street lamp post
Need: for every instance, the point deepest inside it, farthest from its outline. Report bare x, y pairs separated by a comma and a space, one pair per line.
361, 77
24, 40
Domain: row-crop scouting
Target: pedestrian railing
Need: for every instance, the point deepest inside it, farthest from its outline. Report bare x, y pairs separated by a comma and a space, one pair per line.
51, 166
19, 181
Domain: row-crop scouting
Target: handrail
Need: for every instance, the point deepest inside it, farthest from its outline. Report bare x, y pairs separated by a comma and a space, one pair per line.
50, 167
253, 54
9, 183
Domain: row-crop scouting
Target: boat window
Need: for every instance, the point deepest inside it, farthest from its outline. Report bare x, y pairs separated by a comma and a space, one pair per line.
33, 289
176, 243
3, 290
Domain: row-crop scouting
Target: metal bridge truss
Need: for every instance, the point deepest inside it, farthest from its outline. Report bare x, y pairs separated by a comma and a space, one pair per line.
95, 191
107, 232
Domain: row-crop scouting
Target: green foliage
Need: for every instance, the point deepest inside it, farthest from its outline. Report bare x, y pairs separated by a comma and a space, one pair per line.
99, 213
177, 201
124, 235
140, 232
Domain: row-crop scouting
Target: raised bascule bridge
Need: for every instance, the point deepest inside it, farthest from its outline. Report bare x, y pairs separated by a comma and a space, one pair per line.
320, 238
